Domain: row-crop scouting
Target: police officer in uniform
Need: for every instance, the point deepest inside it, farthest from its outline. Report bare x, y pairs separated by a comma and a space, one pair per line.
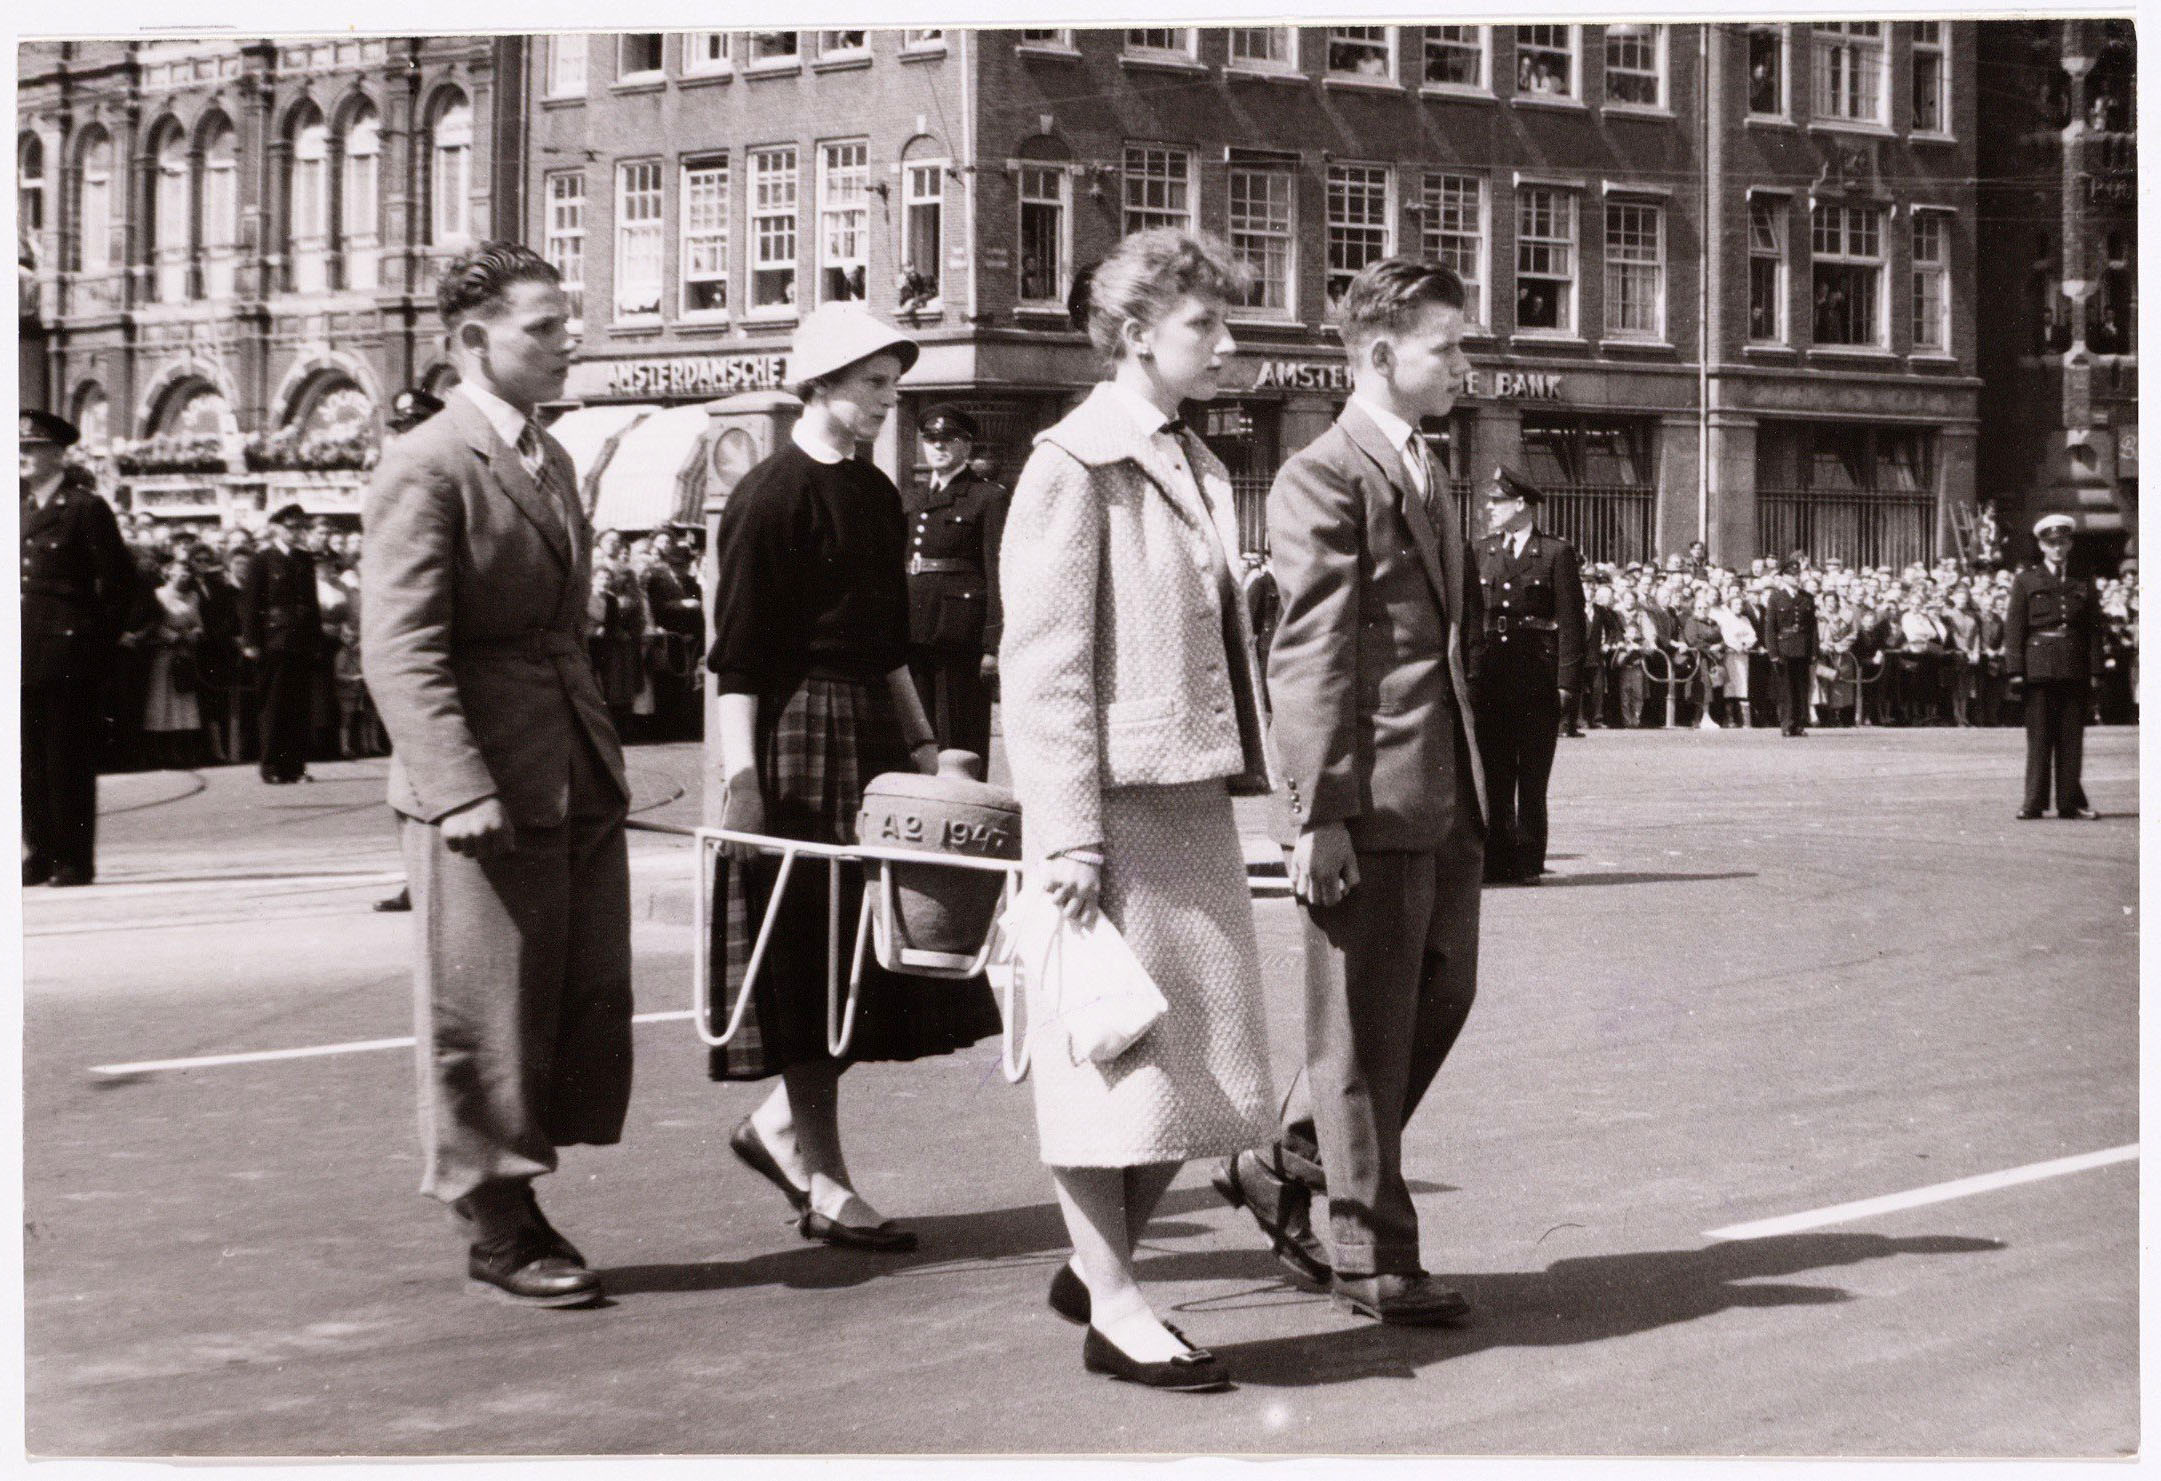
79, 583
281, 629
1530, 673
956, 518
2052, 650
1790, 615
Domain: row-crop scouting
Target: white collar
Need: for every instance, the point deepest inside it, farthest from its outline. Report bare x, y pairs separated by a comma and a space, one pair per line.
506, 419
1517, 539
817, 452
1398, 432
1148, 418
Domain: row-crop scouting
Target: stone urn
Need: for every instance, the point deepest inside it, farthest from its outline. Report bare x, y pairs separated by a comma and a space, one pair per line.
934, 921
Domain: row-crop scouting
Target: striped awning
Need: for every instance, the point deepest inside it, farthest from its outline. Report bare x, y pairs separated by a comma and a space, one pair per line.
643, 479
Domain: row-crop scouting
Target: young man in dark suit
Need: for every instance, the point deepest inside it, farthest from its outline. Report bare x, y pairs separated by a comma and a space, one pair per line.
79, 583
281, 629
2052, 652
507, 777
1372, 726
1790, 637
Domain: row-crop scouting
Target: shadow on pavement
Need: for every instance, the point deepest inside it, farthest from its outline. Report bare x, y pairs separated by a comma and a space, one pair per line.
1586, 1299
1572, 881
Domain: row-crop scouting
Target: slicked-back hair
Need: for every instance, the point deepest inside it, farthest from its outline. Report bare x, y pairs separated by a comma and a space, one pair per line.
1388, 296
1147, 273
475, 282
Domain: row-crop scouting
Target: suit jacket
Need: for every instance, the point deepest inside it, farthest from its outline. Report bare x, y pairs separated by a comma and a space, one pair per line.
957, 611
79, 584
1379, 632
1790, 624
473, 624
1543, 585
1114, 662
2052, 628
280, 609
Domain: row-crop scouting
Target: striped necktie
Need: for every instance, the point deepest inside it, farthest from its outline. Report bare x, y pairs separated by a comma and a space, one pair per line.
530, 452
535, 458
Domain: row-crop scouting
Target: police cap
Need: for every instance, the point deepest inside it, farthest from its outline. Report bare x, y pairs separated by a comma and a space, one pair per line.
43, 427
288, 514
1509, 484
2049, 524
942, 423
410, 407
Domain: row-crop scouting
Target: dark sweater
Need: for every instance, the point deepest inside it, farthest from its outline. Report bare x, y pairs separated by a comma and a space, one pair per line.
811, 562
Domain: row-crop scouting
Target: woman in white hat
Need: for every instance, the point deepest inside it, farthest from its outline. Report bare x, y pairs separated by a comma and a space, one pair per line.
810, 624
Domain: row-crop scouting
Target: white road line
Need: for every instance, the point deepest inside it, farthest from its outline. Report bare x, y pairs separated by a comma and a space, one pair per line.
312, 1051
1846, 1213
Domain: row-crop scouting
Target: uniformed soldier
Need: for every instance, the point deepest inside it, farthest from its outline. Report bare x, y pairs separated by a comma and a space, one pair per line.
2052, 650
1790, 615
79, 583
956, 518
1530, 673
281, 629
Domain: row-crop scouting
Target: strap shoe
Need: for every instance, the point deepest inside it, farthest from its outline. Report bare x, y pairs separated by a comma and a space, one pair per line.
1194, 1371
1282, 1208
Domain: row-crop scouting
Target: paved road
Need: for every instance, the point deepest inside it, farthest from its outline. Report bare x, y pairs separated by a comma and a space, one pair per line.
1770, 979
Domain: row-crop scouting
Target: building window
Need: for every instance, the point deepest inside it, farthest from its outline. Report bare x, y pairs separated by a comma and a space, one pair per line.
562, 233
1056, 37
1166, 41
1158, 189
707, 52
772, 229
1849, 71
308, 207
1931, 283
1360, 222
1767, 269
1767, 71
221, 210
922, 207
359, 197
1453, 230
1635, 270
1636, 66
775, 48
932, 39
1846, 243
1456, 56
638, 193
566, 66
843, 220
94, 207
30, 188
1362, 51
1931, 79
835, 46
1263, 235
1546, 61
1046, 248
637, 55
1264, 48
169, 223
451, 176
1545, 260
705, 238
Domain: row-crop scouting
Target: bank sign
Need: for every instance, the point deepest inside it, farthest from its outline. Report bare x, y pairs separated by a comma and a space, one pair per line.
1334, 375
677, 377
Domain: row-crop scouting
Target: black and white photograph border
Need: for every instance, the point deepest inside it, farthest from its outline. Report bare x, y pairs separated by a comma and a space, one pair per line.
1796, 1115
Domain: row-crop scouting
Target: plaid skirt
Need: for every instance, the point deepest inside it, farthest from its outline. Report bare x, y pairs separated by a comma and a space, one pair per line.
817, 747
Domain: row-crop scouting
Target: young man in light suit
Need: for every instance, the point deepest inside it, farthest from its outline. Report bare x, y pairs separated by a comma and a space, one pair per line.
1369, 681
506, 776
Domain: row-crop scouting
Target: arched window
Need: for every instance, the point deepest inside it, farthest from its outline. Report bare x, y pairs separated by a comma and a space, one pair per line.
450, 170
221, 209
357, 199
307, 222
94, 206
93, 417
194, 409
170, 224
30, 185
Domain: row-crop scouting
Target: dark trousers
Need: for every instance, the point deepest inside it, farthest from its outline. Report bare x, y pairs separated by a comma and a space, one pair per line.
1790, 676
2055, 743
1516, 741
60, 725
521, 987
1391, 970
286, 719
956, 697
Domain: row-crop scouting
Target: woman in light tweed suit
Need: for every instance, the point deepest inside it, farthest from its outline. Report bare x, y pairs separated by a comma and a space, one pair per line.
1130, 717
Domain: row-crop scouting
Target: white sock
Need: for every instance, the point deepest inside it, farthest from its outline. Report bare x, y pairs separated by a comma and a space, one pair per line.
1134, 1329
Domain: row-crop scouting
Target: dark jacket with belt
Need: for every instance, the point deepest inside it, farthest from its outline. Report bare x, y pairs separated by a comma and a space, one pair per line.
2052, 628
78, 583
279, 609
1533, 612
954, 532
1790, 619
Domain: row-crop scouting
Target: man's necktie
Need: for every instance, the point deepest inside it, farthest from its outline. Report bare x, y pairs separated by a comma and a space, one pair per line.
530, 452
535, 458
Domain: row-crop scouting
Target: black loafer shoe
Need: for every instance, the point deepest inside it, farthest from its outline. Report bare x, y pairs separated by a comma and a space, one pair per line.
749, 1149
1400, 1300
525, 1271
2029, 814
1283, 1209
65, 878
1069, 1296
1194, 1371
885, 1239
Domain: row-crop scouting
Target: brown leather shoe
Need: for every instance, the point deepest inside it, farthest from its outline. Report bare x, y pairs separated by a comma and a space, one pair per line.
1416, 1300
526, 1269
1282, 1208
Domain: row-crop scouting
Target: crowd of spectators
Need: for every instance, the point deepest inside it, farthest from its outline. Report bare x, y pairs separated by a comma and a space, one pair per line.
183, 694
1922, 645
